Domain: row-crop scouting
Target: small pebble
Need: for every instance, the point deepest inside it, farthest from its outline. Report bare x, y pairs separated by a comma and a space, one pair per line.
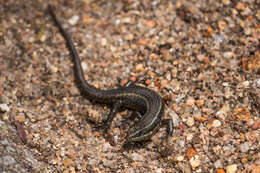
137, 157
216, 123
256, 125
3, 98
107, 146
226, 2
200, 102
180, 158
129, 37
190, 102
256, 169
190, 121
240, 6
189, 137
228, 54
7, 160
139, 67
84, 66
73, 20
175, 118
220, 170
218, 164
126, 20
195, 161
244, 147
20, 117
231, 168
191, 152
222, 25
68, 162
245, 84
4, 107
159, 170
200, 58
108, 163
182, 143
150, 23
257, 82
103, 42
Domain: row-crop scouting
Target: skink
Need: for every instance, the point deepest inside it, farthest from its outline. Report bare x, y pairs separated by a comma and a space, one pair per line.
140, 99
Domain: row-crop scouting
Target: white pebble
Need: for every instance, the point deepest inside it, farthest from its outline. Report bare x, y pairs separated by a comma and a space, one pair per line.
107, 146
175, 118
117, 22
73, 20
190, 121
103, 42
218, 164
257, 82
228, 54
189, 137
246, 83
216, 123
182, 143
137, 157
195, 161
84, 66
158, 170
180, 158
4, 107
220, 114
200, 57
8, 160
126, 20
231, 168
244, 147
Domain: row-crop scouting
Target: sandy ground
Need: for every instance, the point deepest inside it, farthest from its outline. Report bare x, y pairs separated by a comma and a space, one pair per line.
202, 57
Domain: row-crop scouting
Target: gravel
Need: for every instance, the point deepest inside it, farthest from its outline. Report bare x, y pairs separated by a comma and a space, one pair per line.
202, 57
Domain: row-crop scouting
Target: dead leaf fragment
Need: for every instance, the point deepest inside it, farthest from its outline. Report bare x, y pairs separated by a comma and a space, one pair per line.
142, 42
21, 132
190, 153
150, 23
243, 114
